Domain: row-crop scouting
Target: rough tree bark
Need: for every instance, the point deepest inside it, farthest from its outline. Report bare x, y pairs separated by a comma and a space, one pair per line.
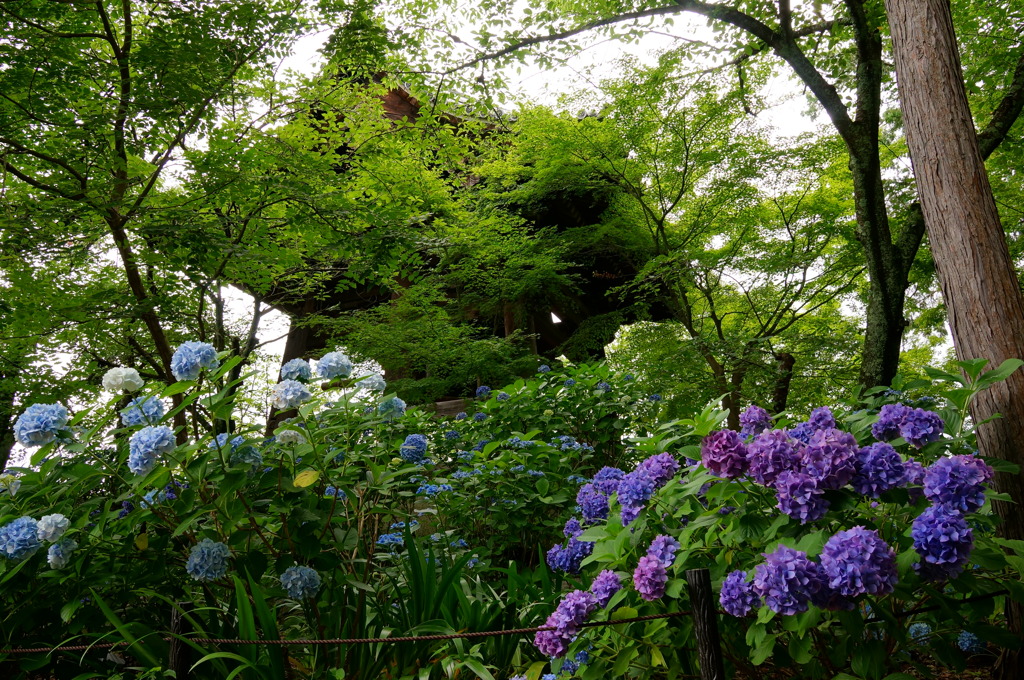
979, 284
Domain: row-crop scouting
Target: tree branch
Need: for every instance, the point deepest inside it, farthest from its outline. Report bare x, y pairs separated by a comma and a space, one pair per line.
1005, 114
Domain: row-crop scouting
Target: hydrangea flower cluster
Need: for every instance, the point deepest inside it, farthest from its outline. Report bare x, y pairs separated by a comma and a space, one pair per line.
19, 539
724, 454
146, 445
297, 369
957, 483
483, 392
300, 582
592, 503
753, 421
943, 540
51, 527
208, 560
738, 597
858, 562
142, 411
224, 439
122, 379
392, 408
414, 449
334, 365
770, 454
650, 577
191, 358
664, 548
431, 490
800, 497
606, 584
40, 424
787, 580
59, 554
373, 382
569, 556
637, 487
879, 469
566, 621
917, 426
289, 394
289, 437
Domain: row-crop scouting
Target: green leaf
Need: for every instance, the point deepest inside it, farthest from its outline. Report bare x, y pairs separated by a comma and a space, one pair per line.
133, 644
542, 485
624, 613
477, 667
1004, 371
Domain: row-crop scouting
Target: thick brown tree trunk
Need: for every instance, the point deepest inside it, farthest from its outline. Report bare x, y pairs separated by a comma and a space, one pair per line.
980, 287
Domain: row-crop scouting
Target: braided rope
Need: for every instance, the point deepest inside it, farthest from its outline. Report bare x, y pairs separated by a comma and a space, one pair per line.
344, 641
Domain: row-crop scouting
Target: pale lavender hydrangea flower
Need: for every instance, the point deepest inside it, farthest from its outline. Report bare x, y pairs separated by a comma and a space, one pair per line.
724, 454
738, 597
59, 554
787, 580
664, 548
650, 578
566, 620
51, 527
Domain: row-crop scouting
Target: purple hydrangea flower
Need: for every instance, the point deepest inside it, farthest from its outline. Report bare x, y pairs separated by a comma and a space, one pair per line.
604, 586
607, 480
593, 504
879, 468
800, 497
738, 597
787, 580
635, 490
660, 468
650, 578
771, 453
566, 620
821, 419
724, 454
957, 483
753, 421
572, 528
858, 562
801, 432
568, 558
887, 427
920, 427
943, 540
664, 548
830, 458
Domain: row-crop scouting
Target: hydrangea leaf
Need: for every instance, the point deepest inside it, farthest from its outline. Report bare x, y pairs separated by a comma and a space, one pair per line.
306, 478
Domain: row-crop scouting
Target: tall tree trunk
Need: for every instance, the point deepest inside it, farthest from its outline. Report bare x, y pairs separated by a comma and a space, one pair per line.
979, 284
784, 378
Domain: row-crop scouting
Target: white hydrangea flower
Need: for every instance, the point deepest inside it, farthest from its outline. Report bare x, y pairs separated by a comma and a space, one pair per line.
52, 527
373, 382
290, 437
127, 379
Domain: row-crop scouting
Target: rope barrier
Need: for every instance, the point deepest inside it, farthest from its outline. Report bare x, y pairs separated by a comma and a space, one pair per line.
345, 641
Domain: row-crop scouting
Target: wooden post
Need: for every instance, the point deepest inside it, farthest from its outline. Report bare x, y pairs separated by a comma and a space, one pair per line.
181, 653
705, 624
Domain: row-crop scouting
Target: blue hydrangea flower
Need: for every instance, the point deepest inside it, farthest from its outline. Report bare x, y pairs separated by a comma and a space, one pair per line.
300, 582
334, 492
208, 560
787, 580
660, 468
568, 668
593, 504
391, 540
19, 539
858, 562
373, 382
799, 496
970, 643
724, 454
503, 396
738, 597
414, 449
654, 398
879, 468
289, 394
52, 527
334, 365
603, 387
479, 417
753, 421
957, 483
920, 427
392, 408
451, 435
607, 480
770, 454
650, 578
146, 445
192, 357
460, 543
142, 411
40, 423
431, 490
919, 632
224, 439
944, 542
664, 548
634, 490
606, 584
59, 553
544, 368
461, 415
483, 392
569, 557
297, 369
569, 382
